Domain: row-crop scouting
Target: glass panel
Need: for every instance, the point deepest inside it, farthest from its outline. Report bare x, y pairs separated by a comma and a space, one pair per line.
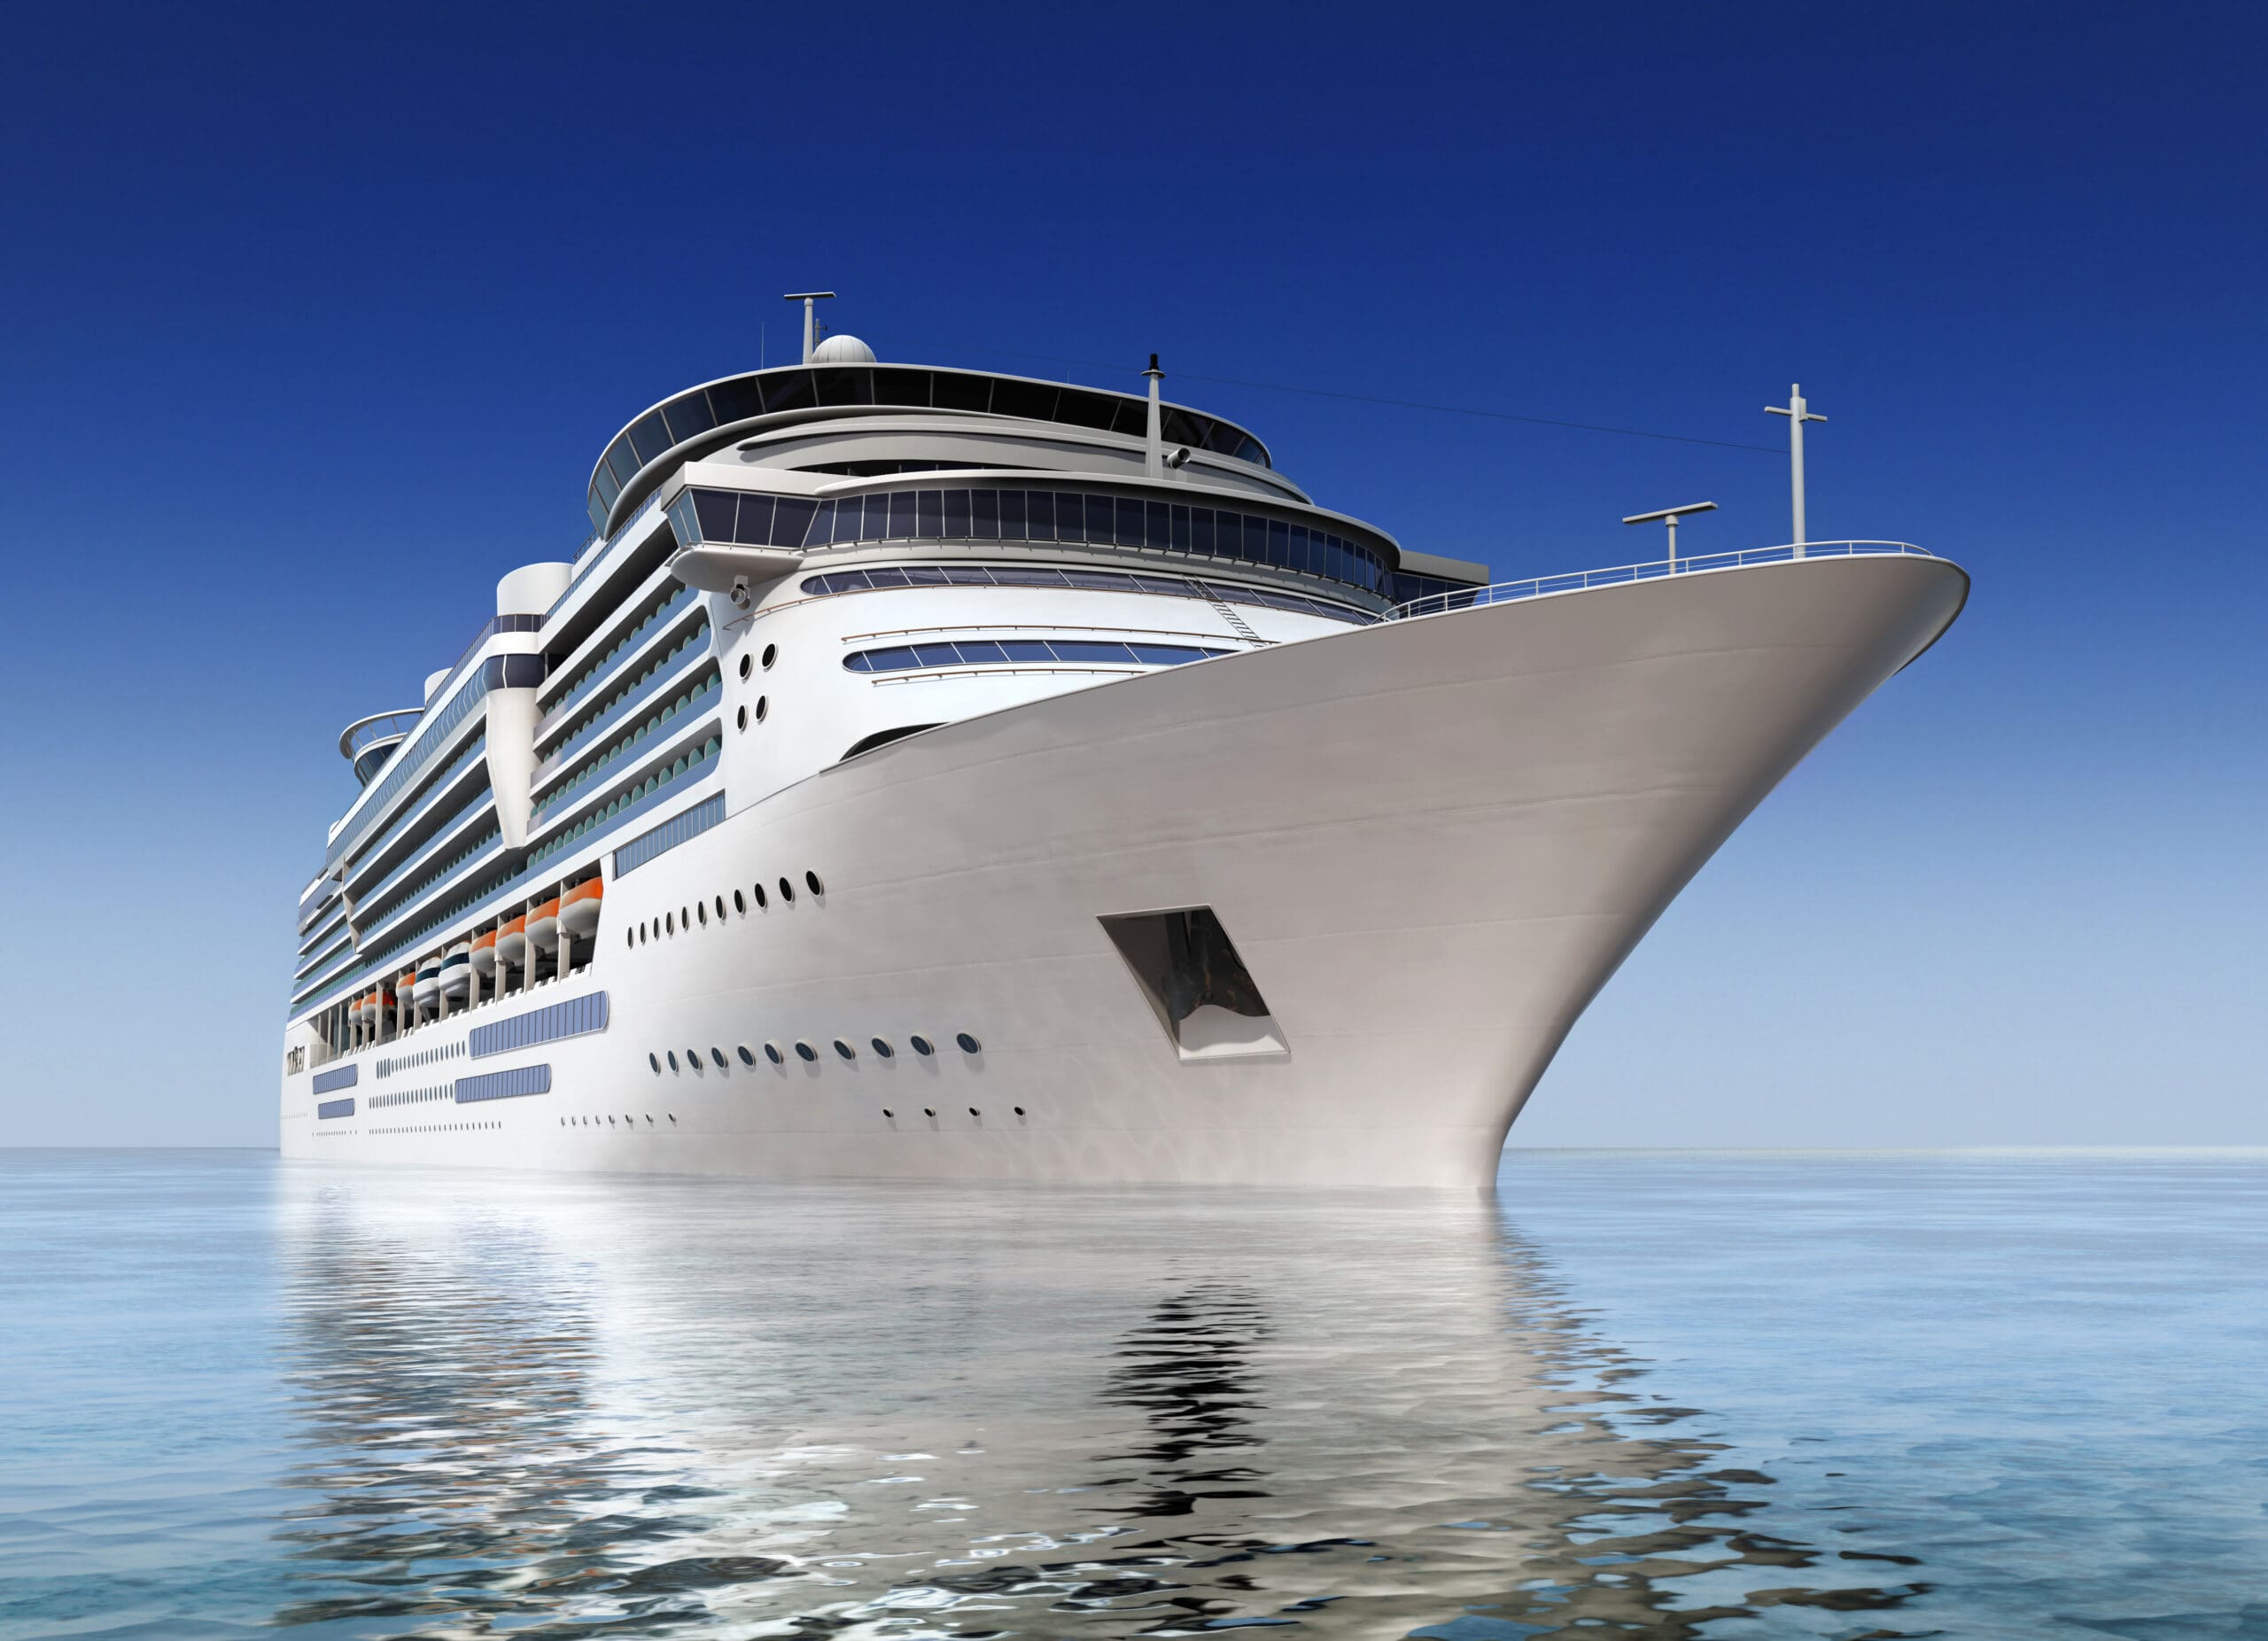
888, 575
604, 482
715, 509
894, 659
737, 400
937, 655
1033, 401
1023, 575
1086, 650
650, 435
930, 514
956, 515
1299, 560
688, 415
1181, 428
966, 575
1102, 520
755, 526
791, 520
1041, 526
1080, 409
1099, 580
1180, 537
1132, 416
1157, 525
597, 508
900, 528
1171, 586
1201, 531
788, 390
1256, 539
1130, 521
1248, 450
858, 662
1013, 524
623, 459
924, 575
1280, 544
841, 386
822, 530
902, 388
984, 515
1166, 655
982, 654
950, 390
1027, 649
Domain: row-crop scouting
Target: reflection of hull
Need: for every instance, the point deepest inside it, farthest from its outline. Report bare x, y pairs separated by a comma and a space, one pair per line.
1431, 842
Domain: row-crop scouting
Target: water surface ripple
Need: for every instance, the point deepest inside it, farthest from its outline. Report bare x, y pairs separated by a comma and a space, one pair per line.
1656, 1395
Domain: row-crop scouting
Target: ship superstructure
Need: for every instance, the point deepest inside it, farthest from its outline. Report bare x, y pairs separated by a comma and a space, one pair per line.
932, 772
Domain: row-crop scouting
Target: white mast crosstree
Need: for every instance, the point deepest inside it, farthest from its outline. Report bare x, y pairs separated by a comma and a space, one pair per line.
1797, 411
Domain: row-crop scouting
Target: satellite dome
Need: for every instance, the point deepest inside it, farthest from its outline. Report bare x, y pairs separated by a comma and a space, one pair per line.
843, 350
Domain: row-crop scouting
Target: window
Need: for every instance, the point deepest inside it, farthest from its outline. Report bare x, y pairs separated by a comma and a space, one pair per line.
771, 653
672, 1058
772, 1053
1022, 652
845, 1050
739, 718
812, 883
969, 1044
747, 1055
883, 1049
806, 1052
747, 665
787, 892
921, 1046
655, 1060
763, 706
761, 903
718, 1054
740, 903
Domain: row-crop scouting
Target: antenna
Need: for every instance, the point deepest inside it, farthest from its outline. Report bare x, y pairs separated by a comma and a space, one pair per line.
1670, 516
1153, 460
1797, 411
810, 315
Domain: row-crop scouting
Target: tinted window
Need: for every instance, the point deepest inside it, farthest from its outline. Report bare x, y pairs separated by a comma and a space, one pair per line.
791, 520
790, 390
980, 654
900, 528
1102, 520
755, 527
1027, 649
957, 514
935, 655
1084, 651
623, 459
845, 387
1034, 401
930, 514
1132, 416
687, 415
1083, 409
984, 515
736, 400
650, 435
715, 509
603, 481
902, 388
1130, 510
951, 391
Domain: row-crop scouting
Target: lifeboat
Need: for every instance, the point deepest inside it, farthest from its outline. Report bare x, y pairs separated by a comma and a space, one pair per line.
429, 982
483, 954
543, 926
367, 1008
578, 908
512, 943
456, 972
385, 1005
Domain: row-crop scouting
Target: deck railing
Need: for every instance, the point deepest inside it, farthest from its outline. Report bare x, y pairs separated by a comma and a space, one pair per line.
1581, 580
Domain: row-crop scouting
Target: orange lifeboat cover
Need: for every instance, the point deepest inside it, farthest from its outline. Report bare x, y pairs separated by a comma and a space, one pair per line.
592, 890
517, 926
482, 942
549, 908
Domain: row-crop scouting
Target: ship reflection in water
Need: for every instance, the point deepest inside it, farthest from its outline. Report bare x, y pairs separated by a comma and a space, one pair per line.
567, 1406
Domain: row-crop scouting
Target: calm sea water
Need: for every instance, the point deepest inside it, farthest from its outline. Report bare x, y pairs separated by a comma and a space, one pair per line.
1710, 1395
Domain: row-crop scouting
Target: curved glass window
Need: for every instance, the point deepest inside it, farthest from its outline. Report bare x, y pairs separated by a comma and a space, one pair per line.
1072, 519
1023, 652
883, 577
767, 392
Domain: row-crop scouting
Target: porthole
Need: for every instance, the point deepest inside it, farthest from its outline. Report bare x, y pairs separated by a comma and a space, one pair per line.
747, 1055
740, 903
692, 1062
845, 1050
672, 1058
718, 1054
704, 915
749, 662
771, 653
973, 1111
812, 883
884, 1048
685, 917
655, 1060
629, 937
669, 922
928, 1110
804, 1051
761, 903
921, 1046
721, 908
787, 892
763, 706
969, 1044
739, 718
888, 1113
1019, 1110
772, 1053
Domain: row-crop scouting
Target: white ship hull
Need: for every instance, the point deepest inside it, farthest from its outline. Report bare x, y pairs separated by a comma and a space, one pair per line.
1431, 842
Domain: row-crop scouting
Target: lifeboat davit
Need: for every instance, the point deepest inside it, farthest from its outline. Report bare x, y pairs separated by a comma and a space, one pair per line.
543, 926
456, 972
484, 953
429, 982
578, 908
512, 943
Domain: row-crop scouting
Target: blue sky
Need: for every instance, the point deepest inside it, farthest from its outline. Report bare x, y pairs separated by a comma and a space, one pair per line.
316, 321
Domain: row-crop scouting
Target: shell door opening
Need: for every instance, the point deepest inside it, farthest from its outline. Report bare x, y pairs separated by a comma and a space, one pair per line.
1198, 988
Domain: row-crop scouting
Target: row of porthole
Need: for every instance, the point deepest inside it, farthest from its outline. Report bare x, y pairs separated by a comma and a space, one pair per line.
593, 1121
805, 1053
437, 1128
931, 1111
670, 922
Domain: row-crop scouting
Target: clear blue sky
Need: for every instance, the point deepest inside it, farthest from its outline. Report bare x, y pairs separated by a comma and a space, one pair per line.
317, 320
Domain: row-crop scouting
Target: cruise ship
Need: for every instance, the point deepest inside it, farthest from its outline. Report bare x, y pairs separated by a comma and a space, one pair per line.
931, 772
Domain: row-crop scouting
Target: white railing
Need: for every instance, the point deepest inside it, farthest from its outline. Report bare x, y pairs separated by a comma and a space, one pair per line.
1507, 592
